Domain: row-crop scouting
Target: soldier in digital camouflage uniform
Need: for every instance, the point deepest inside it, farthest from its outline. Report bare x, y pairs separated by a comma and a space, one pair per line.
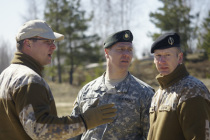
180, 109
27, 107
131, 96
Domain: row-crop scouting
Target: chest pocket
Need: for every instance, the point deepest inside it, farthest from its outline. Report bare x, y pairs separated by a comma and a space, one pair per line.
89, 101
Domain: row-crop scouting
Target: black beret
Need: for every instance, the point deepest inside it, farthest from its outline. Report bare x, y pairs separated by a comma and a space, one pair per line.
167, 40
121, 36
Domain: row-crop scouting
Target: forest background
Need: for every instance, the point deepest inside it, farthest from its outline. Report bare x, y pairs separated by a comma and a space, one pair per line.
86, 23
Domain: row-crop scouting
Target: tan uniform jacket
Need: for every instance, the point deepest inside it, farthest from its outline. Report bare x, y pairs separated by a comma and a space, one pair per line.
27, 107
180, 109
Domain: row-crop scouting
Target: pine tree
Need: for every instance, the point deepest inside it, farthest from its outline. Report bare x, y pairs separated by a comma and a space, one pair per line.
174, 16
53, 16
78, 48
205, 37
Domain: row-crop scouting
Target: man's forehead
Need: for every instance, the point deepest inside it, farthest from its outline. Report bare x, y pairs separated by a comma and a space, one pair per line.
123, 44
167, 50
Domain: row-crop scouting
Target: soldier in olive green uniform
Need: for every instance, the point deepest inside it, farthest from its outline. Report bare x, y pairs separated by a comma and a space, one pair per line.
131, 96
27, 107
180, 109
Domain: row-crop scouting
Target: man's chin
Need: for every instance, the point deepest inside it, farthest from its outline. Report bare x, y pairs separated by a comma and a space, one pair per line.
164, 73
47, 63
123, 68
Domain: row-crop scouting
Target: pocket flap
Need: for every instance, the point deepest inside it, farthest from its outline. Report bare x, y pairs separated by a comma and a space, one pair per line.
165, 108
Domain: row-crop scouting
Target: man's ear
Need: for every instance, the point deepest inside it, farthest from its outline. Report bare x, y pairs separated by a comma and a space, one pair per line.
106, 52
26, 45
180, 57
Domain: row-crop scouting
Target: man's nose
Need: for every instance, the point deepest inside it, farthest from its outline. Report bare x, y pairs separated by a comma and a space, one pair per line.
162, 59
127, 52
53, 46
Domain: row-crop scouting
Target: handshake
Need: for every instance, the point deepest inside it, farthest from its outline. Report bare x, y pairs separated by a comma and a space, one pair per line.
98, 115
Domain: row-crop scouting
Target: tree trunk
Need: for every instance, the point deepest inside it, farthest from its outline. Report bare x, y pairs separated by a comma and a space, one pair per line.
71, 65
58, 50
71, 75
59, 65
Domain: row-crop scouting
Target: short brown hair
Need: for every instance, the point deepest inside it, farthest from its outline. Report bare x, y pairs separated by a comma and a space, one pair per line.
19, 45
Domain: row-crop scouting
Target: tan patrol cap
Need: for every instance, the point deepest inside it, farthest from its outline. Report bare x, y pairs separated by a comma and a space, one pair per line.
37, 28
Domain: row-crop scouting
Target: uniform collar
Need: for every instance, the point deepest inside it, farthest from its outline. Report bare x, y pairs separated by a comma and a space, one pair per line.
24, 59
168, 80
121, 87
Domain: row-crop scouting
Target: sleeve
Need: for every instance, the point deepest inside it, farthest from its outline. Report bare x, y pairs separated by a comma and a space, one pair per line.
145, 113
38, 116
194, 116
76, 112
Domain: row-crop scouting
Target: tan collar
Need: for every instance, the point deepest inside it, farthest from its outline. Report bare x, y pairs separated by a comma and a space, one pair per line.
24, 59
168, 80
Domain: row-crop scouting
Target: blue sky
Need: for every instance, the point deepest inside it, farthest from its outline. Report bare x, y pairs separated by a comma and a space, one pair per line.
12, 12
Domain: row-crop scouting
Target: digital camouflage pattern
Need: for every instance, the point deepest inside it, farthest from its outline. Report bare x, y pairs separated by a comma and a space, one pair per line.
180, 111
132, 99
27, 105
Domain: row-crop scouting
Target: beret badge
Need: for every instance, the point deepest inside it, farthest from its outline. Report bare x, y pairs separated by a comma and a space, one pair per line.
170, 41
165, 41
126, 36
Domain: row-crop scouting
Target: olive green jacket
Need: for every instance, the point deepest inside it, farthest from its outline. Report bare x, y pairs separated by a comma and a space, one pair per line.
27, 106
180, 109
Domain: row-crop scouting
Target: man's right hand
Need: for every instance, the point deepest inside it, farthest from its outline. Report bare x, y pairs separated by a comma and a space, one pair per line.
99, 115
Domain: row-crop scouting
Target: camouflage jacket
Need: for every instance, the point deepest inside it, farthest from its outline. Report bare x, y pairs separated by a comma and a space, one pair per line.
180, 109
132, 99
27, 107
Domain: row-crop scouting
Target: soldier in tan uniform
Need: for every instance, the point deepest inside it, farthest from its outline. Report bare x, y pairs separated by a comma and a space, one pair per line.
27, 107
180, 109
